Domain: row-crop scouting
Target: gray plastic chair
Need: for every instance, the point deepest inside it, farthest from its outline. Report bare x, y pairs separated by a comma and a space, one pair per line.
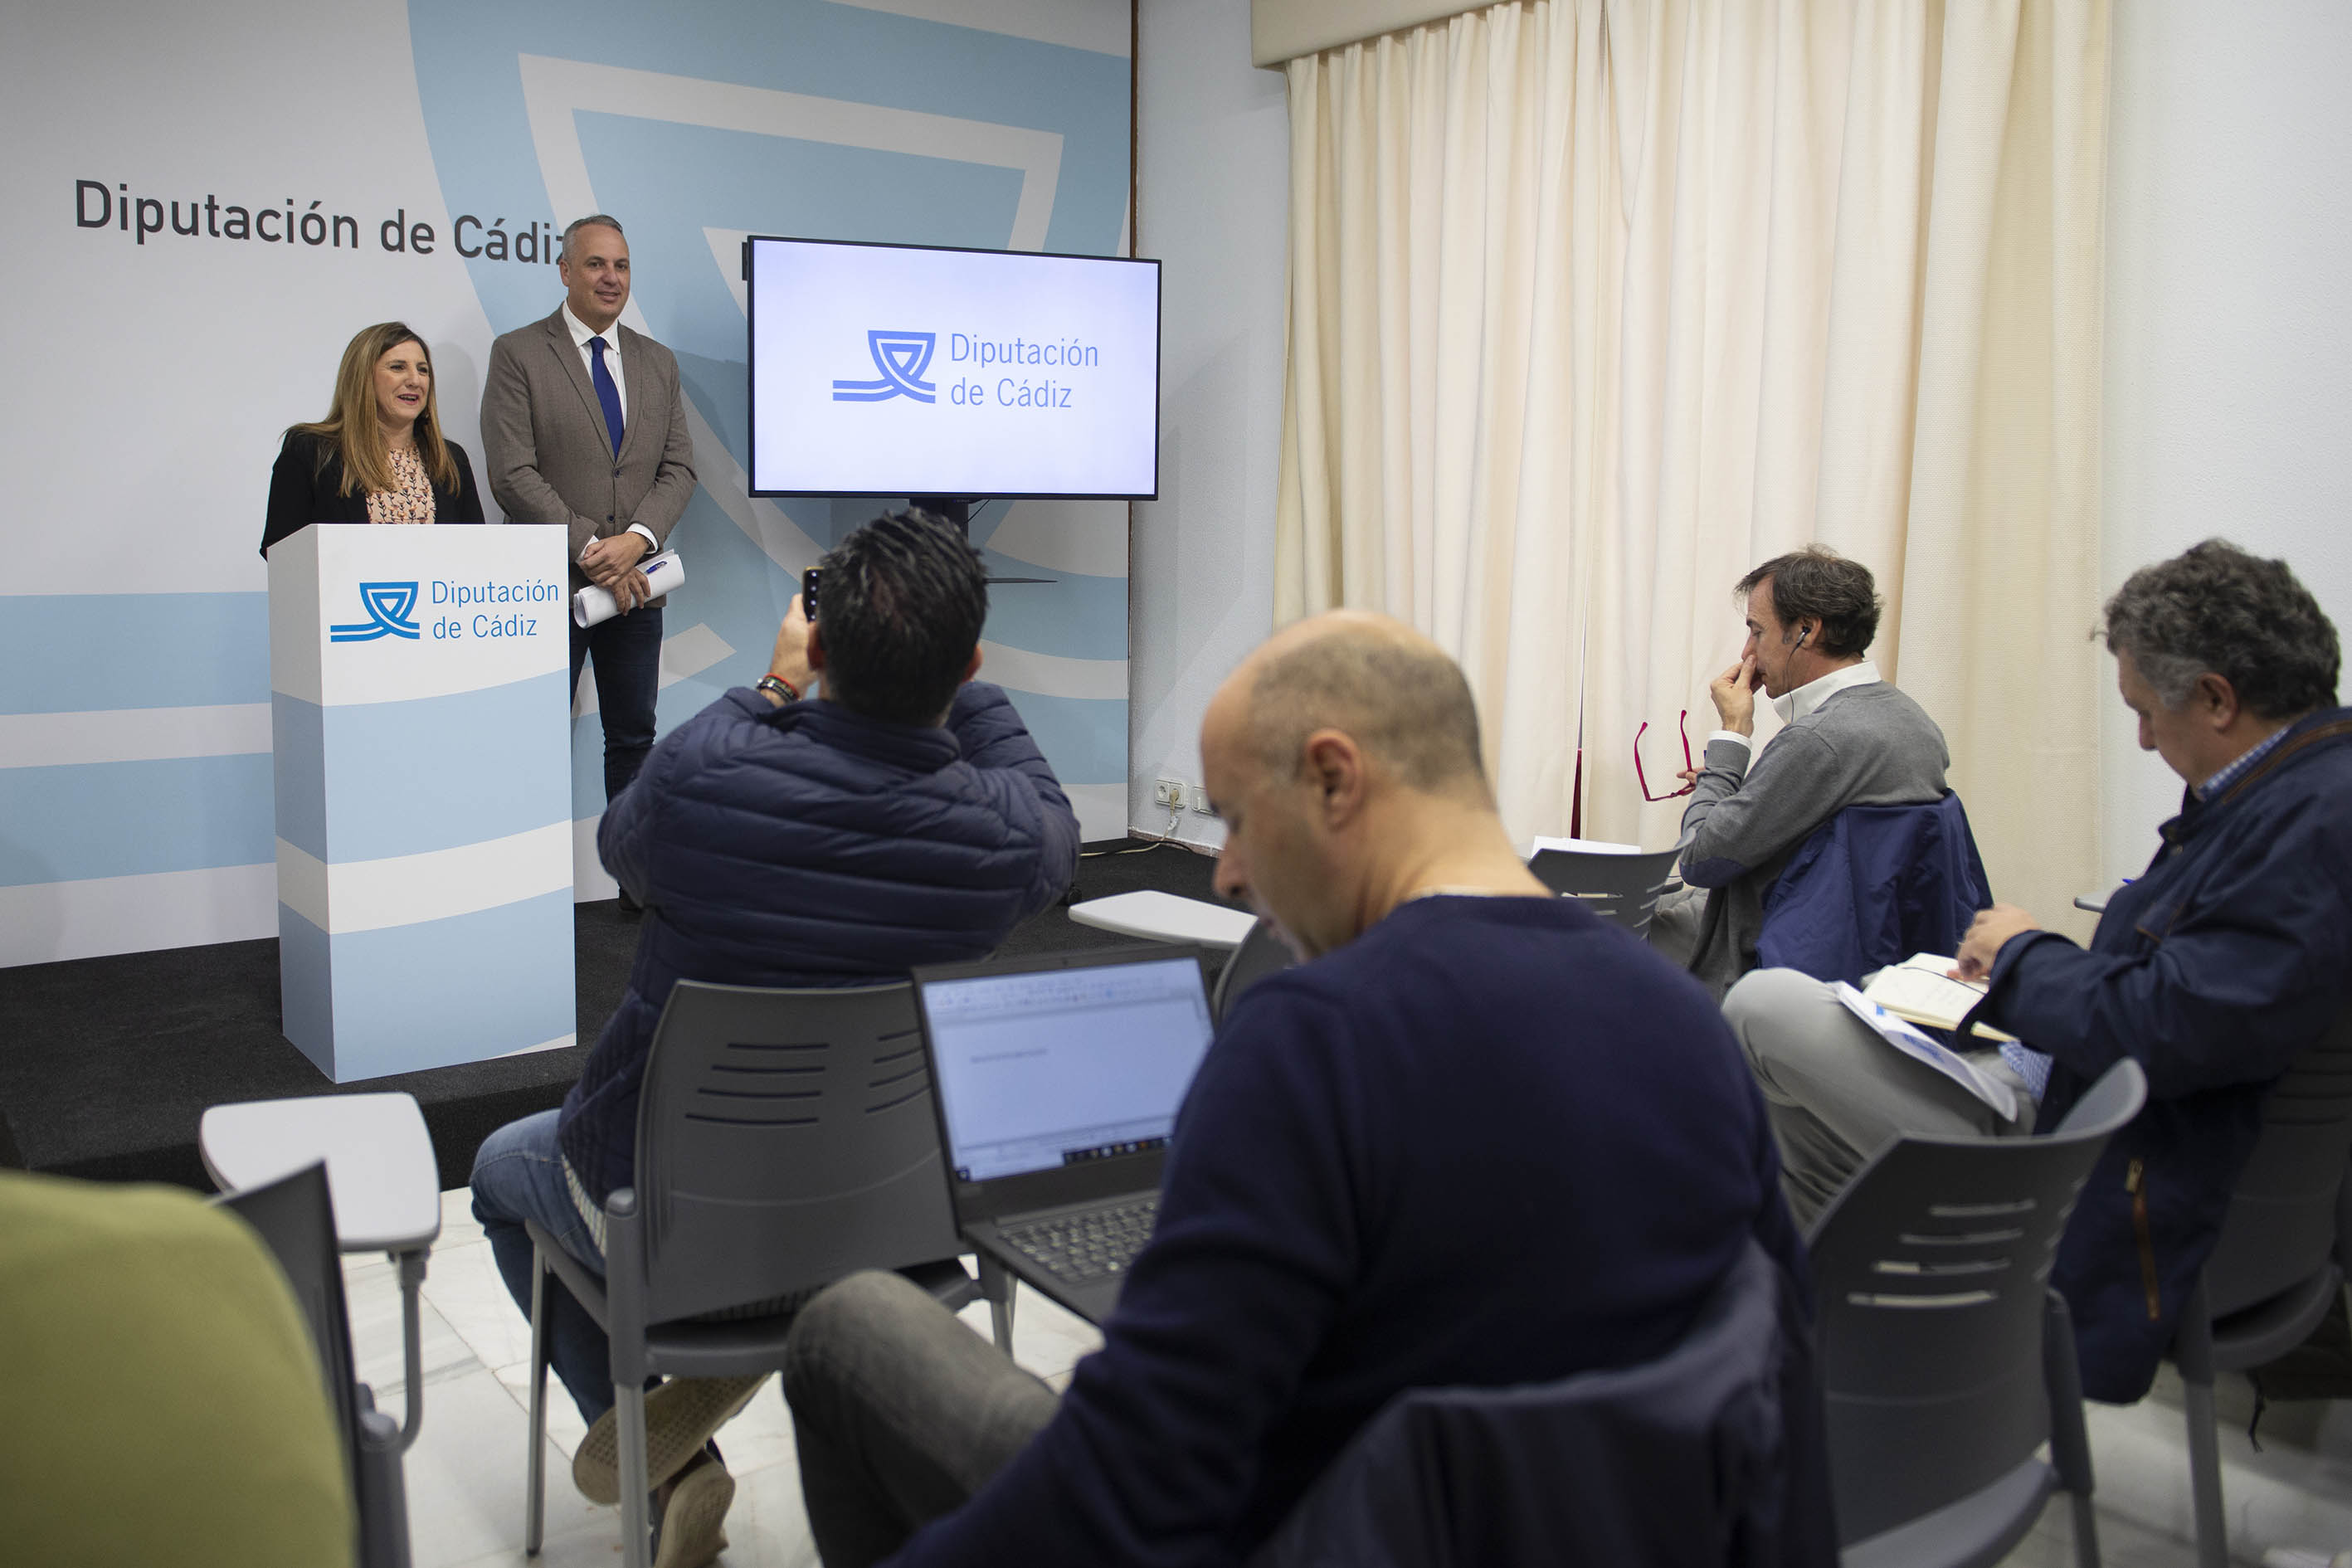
1946, 1360
294, 1216
1622, 889
1262, 952
2277, 1265
784, 1139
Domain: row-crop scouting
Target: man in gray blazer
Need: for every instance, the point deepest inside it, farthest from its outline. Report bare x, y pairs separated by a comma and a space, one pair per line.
583, 425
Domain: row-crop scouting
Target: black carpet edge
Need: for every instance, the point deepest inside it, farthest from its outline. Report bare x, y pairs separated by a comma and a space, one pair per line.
459, 1111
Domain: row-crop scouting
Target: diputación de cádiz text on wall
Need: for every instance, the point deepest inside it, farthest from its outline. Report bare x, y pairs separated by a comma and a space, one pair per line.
118, 211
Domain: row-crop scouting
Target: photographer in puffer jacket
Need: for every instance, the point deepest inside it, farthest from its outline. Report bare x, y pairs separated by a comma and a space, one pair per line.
779, 837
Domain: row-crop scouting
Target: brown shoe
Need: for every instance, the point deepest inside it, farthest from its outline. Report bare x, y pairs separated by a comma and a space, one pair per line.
694, 1514
681, 1416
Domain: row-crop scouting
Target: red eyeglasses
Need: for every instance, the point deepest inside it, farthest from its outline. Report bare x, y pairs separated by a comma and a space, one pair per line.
1642, 779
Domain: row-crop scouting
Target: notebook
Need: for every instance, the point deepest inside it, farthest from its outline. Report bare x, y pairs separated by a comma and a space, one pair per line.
1921, 990
1057, 1080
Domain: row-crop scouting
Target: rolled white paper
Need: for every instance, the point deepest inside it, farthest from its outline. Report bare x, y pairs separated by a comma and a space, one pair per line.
593, 605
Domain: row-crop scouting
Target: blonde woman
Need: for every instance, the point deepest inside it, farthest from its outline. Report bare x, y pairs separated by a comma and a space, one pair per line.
379, 455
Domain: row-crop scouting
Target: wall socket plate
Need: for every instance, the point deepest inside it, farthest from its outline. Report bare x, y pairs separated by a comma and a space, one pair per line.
1169, 793
1201, 801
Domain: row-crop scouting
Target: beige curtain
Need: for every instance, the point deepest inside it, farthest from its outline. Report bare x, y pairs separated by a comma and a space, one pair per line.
1596, 303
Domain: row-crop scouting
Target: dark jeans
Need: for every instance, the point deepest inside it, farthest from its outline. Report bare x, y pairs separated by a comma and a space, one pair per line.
900, 1413
519, 1175
627, 650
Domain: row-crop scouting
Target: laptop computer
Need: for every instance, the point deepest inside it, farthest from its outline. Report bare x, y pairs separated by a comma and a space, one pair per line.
1057, 1080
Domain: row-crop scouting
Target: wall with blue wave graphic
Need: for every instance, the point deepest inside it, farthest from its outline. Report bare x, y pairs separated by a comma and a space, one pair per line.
135, 777
633, 121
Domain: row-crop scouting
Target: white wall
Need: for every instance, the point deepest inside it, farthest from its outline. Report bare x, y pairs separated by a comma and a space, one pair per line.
1213, 180
2229, 370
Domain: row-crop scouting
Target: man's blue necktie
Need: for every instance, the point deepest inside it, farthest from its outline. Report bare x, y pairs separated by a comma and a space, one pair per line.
607, 393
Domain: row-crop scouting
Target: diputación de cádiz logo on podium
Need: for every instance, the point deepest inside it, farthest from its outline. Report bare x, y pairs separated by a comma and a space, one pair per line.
901, 357
388, 605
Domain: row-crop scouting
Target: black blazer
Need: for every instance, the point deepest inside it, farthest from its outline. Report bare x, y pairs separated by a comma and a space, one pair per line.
307, 485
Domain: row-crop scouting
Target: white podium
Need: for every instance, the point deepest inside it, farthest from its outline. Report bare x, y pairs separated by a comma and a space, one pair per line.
421, 724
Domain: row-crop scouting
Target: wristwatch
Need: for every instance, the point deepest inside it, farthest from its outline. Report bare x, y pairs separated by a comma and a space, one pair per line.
778, 685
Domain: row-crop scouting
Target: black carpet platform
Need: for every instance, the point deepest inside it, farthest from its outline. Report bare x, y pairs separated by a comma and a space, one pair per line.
107, 1064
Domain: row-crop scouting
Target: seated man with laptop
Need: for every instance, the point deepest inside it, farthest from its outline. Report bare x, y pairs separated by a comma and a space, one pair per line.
1479, 1138
782, 838
2229, 957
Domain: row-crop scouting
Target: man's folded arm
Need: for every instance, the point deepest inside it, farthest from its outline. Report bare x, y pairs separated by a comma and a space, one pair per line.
993, 738
1153, 1454
2231, 996
1743, 813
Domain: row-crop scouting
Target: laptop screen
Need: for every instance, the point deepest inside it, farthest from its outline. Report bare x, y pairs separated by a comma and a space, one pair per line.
1049, 1067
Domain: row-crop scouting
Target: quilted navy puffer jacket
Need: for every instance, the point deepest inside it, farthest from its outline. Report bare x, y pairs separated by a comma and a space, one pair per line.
808, 846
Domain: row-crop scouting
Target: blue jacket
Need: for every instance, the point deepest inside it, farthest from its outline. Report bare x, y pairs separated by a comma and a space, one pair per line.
1716, 1455
1872, 885
2228, 958
808, 846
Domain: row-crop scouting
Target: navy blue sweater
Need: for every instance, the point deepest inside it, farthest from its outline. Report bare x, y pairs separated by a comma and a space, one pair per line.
2227, 959
808, 846
1491, 1140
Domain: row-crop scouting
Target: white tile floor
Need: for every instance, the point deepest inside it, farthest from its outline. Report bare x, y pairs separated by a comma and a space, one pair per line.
466, 1473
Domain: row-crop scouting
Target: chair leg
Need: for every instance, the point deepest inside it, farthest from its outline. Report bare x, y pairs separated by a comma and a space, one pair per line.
637, 1525
2205, 1476
2086, 1533
412, 1340
2070, 1440
2193, 1351
534, 1526
996, 1283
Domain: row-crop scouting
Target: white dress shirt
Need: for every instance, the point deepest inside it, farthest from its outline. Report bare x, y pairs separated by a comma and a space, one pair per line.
580, 333
1792, 706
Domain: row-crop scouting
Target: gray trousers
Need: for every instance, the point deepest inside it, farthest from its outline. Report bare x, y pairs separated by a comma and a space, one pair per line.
900, 1413
1837, 1093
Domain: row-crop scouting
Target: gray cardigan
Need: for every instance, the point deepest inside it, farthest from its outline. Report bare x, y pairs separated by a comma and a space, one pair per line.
1866, 745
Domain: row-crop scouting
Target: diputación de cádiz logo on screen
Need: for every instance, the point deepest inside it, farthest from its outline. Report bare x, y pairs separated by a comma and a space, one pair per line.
902, 357
388, 605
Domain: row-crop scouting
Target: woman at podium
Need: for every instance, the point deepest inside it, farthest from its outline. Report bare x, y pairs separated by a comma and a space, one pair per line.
379, 455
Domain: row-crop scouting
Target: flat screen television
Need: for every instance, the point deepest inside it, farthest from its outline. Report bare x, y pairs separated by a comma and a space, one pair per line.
896, 370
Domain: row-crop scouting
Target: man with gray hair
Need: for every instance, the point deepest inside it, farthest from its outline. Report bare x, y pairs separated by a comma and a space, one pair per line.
1847, 737
583, 425
2226, 959
1479, 1138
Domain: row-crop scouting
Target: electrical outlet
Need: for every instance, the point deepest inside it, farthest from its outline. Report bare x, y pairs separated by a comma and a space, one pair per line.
1201, 801
1170, 793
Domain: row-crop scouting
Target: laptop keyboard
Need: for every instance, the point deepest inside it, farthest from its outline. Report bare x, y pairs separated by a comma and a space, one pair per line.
1094, 1244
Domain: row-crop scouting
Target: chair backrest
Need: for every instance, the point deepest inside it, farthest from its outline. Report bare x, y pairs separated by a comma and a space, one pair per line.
295, 1216
1716, 1440
2282, 1224
1930, 1272
1262, 952
1872, 885
784, 1139
1621, 889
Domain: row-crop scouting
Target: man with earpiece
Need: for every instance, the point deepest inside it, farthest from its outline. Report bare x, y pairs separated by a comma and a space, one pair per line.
1847, 738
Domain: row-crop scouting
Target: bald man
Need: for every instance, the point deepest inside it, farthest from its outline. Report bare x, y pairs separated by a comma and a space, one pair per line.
1477, 1138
